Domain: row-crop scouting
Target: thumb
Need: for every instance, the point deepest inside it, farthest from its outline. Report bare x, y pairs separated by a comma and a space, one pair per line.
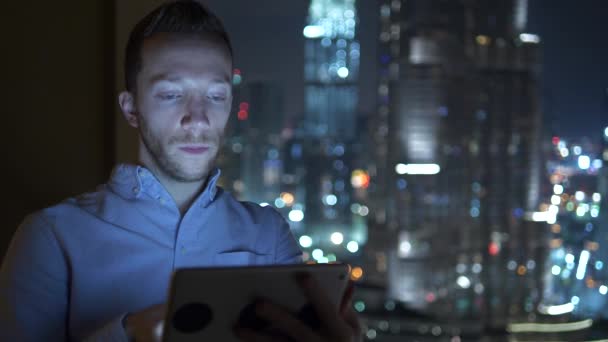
158, 331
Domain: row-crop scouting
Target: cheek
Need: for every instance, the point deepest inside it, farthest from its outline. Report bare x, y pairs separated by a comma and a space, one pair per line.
161, 117
224, 120
219, 127
222, 117
158, 127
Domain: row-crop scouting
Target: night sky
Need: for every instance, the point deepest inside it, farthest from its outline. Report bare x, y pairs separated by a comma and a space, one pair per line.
268, 43
574, 35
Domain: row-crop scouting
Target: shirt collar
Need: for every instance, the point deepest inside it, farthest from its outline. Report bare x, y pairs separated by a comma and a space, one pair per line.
131, 181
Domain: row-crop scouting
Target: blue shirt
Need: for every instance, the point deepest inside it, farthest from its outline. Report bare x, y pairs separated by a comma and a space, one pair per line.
74, 270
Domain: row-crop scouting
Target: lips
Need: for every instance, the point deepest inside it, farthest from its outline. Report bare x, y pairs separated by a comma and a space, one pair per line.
194, 149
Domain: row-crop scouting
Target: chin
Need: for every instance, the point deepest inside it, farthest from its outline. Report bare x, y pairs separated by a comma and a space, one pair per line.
195, 173
189, 169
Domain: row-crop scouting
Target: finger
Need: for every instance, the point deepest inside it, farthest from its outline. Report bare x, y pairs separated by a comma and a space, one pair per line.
158, 308
324, 307
352, 319
158, 331
348, 314
156, 312
284, 321
249, 335
348, 296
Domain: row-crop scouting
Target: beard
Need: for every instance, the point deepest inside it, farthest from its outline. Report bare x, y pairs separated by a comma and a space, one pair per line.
172, 164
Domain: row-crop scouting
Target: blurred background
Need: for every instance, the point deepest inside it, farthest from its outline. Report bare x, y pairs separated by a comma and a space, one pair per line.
454, 152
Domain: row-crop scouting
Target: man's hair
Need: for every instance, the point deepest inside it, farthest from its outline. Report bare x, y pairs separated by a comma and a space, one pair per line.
186, 17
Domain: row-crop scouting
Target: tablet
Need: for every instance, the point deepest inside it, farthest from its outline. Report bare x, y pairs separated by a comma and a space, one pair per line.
206, 303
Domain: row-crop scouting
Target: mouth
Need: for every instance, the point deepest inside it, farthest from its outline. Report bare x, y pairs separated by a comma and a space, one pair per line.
194, 149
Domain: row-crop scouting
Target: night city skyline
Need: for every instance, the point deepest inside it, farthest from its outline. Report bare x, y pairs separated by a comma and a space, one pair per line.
574, 80
456, 134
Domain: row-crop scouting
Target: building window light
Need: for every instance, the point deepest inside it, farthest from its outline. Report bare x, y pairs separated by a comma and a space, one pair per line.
529, 38
313, 31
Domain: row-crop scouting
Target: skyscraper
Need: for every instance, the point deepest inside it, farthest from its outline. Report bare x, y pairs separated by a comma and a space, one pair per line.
323, 156
456, 136
331, 69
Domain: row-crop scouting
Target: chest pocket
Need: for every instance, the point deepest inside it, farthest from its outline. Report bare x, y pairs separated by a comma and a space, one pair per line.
242, 258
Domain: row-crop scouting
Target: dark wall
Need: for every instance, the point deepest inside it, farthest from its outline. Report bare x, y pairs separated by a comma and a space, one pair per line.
58, 102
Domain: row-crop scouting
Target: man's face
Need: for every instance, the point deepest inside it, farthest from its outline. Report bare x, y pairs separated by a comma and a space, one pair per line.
182, 104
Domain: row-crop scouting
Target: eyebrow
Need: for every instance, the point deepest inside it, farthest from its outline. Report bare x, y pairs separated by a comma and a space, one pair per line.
175, 78
164, 77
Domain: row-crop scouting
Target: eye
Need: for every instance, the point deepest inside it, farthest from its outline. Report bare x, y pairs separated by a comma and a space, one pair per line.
217, 97
169, 96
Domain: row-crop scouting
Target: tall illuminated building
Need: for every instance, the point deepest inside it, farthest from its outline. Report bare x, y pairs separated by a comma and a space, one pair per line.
456, 140
323, 156
331, 70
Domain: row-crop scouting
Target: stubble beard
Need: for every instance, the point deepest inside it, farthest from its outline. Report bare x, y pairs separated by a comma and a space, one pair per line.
169, 165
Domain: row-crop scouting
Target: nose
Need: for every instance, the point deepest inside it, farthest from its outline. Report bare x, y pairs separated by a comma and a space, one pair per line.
196, 113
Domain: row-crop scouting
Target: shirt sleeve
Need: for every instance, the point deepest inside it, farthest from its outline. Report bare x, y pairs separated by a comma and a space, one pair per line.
287, 250
33, 285
34, 289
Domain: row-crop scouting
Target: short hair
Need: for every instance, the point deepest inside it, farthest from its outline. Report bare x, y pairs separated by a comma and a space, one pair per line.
179, 16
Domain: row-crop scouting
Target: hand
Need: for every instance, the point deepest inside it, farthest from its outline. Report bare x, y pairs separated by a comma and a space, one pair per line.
146, 325
340, 325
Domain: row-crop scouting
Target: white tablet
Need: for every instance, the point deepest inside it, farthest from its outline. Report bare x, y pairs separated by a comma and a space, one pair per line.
206, 303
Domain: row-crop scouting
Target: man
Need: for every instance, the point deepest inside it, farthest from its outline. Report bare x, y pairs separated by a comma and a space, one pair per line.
98, 266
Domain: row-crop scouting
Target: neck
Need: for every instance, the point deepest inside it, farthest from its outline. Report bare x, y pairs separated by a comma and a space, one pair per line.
183, 193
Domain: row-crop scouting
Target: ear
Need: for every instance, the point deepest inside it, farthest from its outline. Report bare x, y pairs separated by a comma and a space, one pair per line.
127, 105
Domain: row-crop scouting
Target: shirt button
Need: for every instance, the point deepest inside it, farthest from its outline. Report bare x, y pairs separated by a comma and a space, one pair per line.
183, 250
162, 201
136, 190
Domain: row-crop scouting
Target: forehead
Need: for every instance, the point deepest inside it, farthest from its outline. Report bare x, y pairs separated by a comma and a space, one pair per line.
168, 53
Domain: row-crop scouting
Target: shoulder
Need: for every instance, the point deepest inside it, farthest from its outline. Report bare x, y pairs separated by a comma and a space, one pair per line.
250, 211
69, 207
36, 240
50, 221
